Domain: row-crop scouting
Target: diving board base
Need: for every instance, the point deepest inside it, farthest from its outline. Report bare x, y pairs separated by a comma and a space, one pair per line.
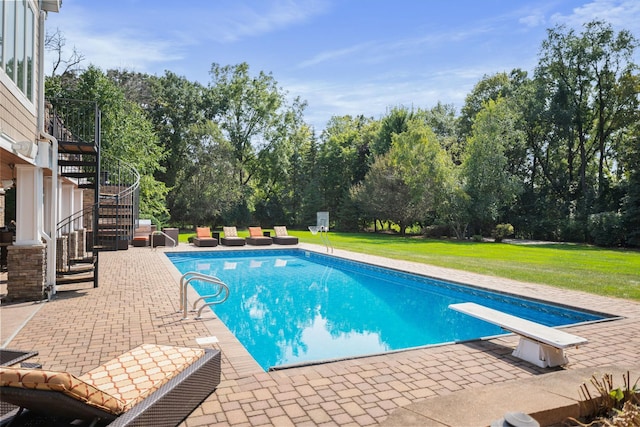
542, 355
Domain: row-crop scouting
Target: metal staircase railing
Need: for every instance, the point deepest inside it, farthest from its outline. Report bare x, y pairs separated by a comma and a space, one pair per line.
118, 204
108, 222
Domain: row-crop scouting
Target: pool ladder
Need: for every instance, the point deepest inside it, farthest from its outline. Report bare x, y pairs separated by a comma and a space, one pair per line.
222, 292
324, 235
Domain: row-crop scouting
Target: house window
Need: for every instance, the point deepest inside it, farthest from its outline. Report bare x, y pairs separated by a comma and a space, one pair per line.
17, 44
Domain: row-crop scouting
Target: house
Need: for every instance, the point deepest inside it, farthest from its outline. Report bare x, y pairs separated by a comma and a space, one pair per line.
28, 154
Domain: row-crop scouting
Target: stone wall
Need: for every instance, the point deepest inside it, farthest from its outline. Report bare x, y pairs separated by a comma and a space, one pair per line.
26, 272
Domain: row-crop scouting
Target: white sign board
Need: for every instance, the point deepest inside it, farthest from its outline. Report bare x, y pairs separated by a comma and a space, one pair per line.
323, 220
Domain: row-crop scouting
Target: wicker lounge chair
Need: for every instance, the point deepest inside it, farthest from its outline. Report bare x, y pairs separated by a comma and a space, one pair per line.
203, 237
231, 237
160, 386
257, 237
282, 236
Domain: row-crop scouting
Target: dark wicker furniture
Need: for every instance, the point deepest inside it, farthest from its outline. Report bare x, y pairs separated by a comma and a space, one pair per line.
231, 237
256, 238
167, 406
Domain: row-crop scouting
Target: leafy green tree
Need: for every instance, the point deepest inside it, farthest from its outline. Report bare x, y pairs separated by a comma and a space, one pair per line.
592, 96
127, 134
499, 85
444, 123
487, 180
175, 108
408, 184
342, 156
424, 165
384, 195
393, 123
255, 119
206, 186
631, 202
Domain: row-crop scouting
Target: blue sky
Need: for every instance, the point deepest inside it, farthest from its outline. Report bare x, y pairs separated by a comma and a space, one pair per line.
341, 56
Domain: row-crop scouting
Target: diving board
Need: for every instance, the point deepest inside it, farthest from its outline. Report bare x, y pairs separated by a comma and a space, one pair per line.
539, 344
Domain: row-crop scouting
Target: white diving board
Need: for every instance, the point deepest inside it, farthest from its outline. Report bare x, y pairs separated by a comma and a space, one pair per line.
539, 344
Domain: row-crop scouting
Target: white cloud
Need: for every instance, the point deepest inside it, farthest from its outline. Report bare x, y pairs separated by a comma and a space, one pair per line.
242, 20
621, 14
533, 20
373, 97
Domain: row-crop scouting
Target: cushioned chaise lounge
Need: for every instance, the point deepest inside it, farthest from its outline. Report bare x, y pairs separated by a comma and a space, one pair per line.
282, 236
231, 237
203, 237
257, 238
150, 385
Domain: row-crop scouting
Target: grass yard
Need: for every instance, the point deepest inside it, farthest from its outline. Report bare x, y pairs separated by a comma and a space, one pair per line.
609, 272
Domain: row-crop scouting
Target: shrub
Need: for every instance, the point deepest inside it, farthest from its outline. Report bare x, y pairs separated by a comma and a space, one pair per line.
606, 229
436, 230
477, 238
501, 231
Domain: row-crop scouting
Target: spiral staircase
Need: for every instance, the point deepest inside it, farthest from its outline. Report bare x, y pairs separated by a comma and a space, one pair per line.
110, 187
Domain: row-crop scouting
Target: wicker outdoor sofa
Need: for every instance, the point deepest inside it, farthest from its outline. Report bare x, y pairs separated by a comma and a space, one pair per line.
151, 385
231, 237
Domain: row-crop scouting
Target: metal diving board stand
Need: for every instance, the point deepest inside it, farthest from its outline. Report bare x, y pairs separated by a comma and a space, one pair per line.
539, 344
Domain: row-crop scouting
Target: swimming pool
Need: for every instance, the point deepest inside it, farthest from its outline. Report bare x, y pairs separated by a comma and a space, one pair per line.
294, 306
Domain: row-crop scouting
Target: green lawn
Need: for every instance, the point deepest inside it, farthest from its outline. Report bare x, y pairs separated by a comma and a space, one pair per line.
600, 271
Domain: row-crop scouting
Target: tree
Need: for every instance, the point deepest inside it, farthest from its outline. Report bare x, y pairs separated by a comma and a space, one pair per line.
631, 202
55, 43
444, 123
206, 186
176, 108
592, 95
127, 134
255, 119
499, 85
385, 196
408, 183
485, 166
393, 123
424, 165
342, 158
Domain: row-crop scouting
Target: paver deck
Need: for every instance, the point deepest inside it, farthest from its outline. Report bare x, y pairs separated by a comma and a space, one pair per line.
137, 302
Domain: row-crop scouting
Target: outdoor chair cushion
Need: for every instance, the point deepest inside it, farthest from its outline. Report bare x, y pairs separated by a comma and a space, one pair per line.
203, 232
115, 386
255, 232
230, 231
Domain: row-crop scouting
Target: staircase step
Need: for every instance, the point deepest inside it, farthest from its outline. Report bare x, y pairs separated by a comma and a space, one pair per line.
77, 147
77, 163
78, 174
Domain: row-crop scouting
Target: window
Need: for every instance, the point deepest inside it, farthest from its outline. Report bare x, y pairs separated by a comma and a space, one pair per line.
17, 44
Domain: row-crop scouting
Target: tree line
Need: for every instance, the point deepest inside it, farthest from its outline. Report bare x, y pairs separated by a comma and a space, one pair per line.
554, 155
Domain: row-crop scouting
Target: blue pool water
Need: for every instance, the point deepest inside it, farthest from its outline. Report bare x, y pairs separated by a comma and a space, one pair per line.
294, 306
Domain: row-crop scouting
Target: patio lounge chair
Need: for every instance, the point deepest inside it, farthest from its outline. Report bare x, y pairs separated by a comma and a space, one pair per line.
282, 237
257, 237
203, 237
231, 237
151, 385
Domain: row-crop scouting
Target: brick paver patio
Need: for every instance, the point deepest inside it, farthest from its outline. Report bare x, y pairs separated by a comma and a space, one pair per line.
137, 302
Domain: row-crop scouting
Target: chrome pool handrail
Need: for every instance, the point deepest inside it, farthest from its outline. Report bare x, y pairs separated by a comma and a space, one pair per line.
193, 275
